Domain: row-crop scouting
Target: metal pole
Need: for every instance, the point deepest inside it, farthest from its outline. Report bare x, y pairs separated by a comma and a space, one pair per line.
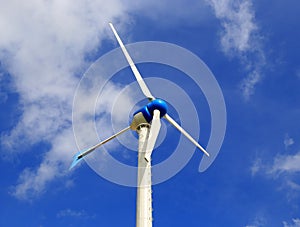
144, 192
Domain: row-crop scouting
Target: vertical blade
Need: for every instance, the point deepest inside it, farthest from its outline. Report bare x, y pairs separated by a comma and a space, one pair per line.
179, 128
154, 130
135, 71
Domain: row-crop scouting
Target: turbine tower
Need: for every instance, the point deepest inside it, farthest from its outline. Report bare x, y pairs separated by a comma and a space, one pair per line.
146, 122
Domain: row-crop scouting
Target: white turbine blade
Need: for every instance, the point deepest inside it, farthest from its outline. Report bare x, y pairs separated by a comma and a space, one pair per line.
174, 123
154, 130
135, 71
81, 154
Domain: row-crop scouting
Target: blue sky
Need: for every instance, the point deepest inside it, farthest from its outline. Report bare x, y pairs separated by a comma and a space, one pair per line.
252, 48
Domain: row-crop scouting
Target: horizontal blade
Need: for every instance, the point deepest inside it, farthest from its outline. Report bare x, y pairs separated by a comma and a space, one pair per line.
135, 71
154, 130
179, 128
81, 154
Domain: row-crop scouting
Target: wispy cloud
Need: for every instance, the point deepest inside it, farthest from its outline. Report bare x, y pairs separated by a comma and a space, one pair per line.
295, 223
288, 141
258, 221
74, 214
256, 166
283, 169
237, 18
292, 185
240, 37
281, 164
286, 164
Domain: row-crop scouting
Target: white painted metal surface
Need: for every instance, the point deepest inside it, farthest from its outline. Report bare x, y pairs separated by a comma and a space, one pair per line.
144, 191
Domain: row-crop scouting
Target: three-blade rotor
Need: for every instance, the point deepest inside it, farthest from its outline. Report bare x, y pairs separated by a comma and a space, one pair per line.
153, 135
155, 123
155, 126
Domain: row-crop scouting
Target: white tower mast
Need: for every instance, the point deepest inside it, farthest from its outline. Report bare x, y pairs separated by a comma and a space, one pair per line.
144, 191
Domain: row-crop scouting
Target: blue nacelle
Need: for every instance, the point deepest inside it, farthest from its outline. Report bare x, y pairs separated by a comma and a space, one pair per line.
157, 104
145, 114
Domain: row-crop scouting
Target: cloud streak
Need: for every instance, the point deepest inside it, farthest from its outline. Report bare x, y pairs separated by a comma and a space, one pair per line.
286, 164
240, 37
281, 164
74, 214
283, 169
237, 18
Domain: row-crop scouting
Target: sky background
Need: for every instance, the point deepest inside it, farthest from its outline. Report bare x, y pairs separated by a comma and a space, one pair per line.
252, 48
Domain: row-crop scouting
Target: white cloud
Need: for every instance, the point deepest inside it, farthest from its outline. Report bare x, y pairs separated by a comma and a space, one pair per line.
237, 19
33, 182
283, 170
44, 49
281, 164
288, 141
240, 37
286, 164
256, 166
295, 223
248, 84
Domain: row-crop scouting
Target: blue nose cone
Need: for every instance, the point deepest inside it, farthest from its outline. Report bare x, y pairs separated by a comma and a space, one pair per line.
158, 104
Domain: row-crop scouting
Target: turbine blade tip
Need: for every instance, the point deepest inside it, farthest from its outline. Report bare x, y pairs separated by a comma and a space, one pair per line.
76, 160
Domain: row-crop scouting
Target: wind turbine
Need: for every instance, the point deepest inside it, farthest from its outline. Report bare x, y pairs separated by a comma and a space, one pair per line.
146, 122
